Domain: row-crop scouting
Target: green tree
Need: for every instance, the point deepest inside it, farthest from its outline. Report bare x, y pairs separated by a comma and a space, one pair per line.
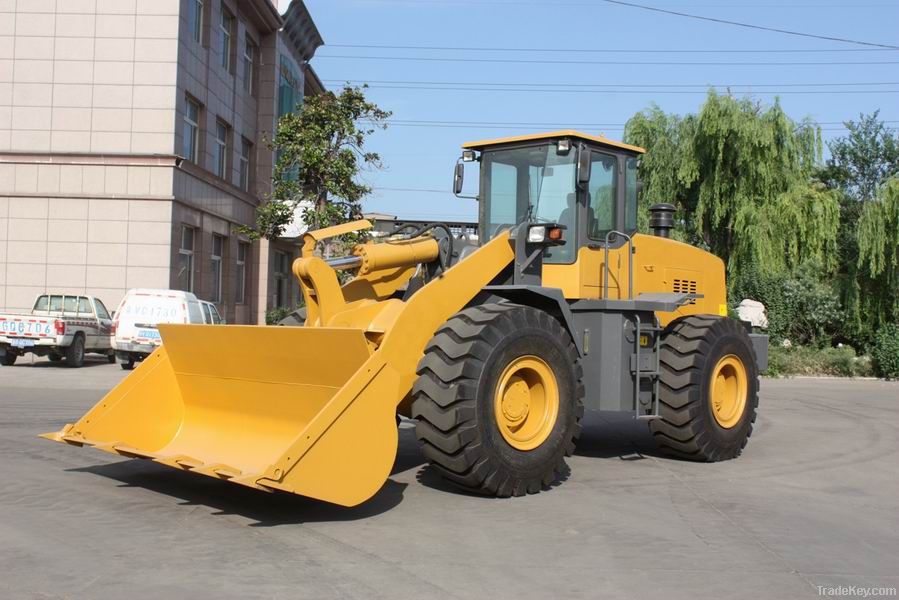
860, 167
740, 175
320, 151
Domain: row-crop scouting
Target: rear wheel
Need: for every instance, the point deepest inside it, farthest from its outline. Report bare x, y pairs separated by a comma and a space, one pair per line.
709, 389
127, 365
9, 359
498, 400
75, 353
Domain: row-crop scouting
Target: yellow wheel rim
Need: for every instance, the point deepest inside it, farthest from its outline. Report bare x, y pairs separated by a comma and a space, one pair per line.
526, 402
728, 391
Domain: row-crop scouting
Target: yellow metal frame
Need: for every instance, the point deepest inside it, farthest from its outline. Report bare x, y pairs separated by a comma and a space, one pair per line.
552, 135
308, 410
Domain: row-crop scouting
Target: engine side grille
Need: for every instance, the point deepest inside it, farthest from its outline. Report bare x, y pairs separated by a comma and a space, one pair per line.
684, 286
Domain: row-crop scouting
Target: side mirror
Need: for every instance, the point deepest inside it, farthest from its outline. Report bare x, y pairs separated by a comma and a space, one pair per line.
458, 178
583, 165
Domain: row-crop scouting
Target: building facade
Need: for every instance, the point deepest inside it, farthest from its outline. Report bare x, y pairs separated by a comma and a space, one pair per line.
133, 144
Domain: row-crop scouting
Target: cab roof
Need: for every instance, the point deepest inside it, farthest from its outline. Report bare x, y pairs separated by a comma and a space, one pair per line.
553, 135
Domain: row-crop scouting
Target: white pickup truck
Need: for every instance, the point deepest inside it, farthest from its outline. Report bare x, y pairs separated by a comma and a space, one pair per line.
59, 326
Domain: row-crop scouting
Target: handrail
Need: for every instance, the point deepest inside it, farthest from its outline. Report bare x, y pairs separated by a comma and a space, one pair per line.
630, 265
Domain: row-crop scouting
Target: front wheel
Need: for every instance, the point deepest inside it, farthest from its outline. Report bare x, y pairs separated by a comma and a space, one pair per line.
499, 399
709, 389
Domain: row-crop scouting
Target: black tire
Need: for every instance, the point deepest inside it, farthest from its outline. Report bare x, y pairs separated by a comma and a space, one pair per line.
691, 348
54, 357
453, 399
75, 352
9, 359
110, 358
127, 365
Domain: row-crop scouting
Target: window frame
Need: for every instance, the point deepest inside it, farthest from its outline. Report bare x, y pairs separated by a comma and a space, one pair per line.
281, 278
246, 164
250, 52
196, 28
217, 261
222, 148
226, 30
243, 252
193, 125
189, 253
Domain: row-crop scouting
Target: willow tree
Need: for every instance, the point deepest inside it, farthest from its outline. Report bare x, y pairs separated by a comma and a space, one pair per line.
860, 168
740, 175
878, 255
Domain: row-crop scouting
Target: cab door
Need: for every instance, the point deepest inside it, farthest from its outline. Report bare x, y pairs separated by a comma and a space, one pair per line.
104, 319
602, 215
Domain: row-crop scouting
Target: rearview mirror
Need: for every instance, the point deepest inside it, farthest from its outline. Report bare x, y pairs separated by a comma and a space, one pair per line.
583, 165
458, 178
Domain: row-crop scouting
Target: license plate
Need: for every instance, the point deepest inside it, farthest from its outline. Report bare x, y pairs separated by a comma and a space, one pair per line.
150, 334
23, 343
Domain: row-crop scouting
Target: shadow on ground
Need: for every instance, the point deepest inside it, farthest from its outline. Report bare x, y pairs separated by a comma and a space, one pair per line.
89, 361
604, 436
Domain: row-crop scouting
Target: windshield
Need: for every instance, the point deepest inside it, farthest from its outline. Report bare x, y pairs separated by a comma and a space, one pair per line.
534, 182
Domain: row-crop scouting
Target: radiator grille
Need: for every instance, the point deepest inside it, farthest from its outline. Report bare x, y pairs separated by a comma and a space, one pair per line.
684, 286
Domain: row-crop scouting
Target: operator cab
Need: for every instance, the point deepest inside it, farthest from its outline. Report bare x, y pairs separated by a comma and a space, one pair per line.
586, 184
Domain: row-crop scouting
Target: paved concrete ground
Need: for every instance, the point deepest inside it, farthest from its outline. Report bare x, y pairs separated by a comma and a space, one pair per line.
813, 501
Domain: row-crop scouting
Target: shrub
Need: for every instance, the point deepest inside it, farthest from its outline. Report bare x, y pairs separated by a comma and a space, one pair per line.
837, 362
276, 314
885, 353
802, 307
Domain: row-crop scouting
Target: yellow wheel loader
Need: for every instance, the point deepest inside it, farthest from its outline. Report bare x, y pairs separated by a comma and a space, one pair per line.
494, 349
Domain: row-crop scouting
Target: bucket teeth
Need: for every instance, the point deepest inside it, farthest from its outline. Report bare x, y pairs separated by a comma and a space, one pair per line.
218, 470
179, 461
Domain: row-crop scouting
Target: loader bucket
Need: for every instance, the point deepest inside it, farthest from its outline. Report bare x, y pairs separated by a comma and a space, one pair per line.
275, 408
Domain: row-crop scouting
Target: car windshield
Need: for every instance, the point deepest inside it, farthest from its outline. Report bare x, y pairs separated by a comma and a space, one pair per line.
533, 182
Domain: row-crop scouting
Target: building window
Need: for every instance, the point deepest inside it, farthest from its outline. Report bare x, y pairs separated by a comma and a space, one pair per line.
218, 248
226, 27
195, 19
246, 152
186, 259
191, 129
243, 251
290, 88
249, 58
221, 149
282, 268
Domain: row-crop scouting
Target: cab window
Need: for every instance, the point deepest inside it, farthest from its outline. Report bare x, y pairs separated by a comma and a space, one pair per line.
101, 310
630, 196
602, 212
43, 302
84, 306
207, 314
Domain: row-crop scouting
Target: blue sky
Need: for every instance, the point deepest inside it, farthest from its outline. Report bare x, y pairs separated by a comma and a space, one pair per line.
421, 156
